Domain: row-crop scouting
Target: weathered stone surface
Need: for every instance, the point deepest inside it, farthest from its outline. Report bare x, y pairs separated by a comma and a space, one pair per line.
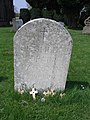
17, 23
42, 50
86, 28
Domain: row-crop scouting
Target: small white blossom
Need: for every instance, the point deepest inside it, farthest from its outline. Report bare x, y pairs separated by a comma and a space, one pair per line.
82, 87
33, 93
42, 99
21, 91
49, 92
62, 94
52, 92
46, 93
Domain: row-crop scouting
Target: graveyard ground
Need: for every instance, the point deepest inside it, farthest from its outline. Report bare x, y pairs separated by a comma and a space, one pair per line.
75, 105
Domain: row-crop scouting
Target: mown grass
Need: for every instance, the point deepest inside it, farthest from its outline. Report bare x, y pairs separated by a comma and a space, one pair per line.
75, 105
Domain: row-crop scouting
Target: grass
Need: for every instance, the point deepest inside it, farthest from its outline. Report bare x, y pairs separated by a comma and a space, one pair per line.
75, 105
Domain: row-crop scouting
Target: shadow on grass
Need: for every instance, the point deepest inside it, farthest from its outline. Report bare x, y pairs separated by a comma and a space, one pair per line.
3, 78
77, 84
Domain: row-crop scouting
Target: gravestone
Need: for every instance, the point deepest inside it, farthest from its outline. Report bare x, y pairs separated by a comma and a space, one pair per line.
86, 28
17, 23
42, 50
62, 23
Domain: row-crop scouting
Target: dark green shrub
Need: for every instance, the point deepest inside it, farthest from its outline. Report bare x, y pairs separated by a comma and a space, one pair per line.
57, 17
47, 14
35, 13
24, 15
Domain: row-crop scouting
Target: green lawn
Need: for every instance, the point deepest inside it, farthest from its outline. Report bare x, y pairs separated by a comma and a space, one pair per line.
75, 105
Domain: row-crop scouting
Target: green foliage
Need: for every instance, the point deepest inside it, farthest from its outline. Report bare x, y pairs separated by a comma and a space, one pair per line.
35, 13
24, 15
45, 8
37, 3
69, 3
47, 14
75, 105
88, 9
17, 14
70, 9
57, 17
41, 4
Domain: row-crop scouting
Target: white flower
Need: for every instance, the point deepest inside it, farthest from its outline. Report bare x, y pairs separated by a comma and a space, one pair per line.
49, 92
82, 87
33, 93
42, 99
52, 92
20, 91
62, 94
45, 93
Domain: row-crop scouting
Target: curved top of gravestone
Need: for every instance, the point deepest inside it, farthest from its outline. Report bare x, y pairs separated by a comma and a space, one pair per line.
40, 21
42, 49
87, 21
